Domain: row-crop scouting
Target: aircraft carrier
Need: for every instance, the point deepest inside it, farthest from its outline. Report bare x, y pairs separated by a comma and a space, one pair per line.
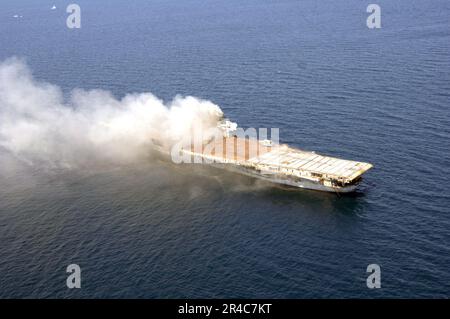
276, 163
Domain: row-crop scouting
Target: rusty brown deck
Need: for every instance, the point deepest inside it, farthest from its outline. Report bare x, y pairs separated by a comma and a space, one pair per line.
233, 148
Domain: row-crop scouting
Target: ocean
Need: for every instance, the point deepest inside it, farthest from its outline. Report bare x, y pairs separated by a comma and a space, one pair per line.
152, 229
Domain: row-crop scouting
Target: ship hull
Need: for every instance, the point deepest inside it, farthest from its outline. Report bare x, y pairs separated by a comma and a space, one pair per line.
282, 180
260, 168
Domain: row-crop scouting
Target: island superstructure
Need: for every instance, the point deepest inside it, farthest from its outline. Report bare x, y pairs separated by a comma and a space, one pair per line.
278, 163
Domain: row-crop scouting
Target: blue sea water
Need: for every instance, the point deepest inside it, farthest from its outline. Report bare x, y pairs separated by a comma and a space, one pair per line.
311, 68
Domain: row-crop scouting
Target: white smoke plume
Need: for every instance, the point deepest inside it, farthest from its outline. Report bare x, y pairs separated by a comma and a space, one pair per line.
38, 125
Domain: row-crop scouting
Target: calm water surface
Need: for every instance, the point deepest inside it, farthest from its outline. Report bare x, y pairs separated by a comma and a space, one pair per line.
311, 68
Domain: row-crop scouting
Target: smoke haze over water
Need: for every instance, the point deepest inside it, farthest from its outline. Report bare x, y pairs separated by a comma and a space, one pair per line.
38, 125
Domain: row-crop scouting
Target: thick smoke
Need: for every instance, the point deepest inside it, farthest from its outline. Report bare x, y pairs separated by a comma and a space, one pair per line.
38, 125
